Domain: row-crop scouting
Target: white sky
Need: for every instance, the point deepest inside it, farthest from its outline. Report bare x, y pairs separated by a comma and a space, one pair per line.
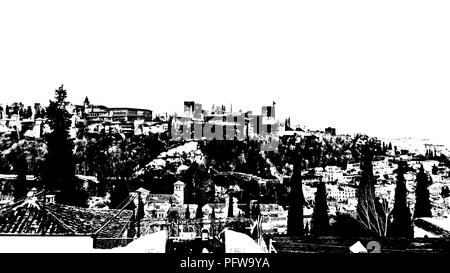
377, 67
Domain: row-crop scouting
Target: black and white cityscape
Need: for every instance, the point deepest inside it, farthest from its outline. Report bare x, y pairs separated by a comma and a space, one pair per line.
88, 177
157, 129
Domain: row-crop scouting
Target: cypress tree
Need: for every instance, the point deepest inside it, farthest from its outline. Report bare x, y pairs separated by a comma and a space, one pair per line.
320, 224
59, 168
256, 211
140, 209
140, 214
248, 210
199, 212
367, 179
230, 206
213, 220
20, 169
401, 225
423, 206
21, 113
187, 214
213, 213
296, 199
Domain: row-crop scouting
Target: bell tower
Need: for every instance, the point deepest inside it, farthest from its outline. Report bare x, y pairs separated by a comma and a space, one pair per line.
178, 191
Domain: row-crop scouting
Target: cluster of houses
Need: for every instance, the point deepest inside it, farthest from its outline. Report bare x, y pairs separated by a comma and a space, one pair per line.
94, 119
99, 118
159, 206
342, 184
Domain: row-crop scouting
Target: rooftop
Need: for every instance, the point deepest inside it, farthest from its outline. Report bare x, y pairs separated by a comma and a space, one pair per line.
27, 217
161, 198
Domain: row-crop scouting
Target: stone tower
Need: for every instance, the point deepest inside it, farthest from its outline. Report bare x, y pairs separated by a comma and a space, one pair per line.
178, 190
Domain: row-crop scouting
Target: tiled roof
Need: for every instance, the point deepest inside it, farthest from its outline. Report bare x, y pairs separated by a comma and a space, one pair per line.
27, 218
161, 198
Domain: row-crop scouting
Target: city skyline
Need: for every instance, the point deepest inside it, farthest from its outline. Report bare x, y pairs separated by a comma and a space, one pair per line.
379, 69
256, 110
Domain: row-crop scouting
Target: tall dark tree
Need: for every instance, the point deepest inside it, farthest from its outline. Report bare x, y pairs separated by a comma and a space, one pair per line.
384, 148
187, 214
401, 225
255, 211
21, 112
367, 181
199, 212
140, 209
140, 214
213, 214
248, 210
296, 198
320, 221
59, 169
230, 206
20, 169
423, 206
7, 111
